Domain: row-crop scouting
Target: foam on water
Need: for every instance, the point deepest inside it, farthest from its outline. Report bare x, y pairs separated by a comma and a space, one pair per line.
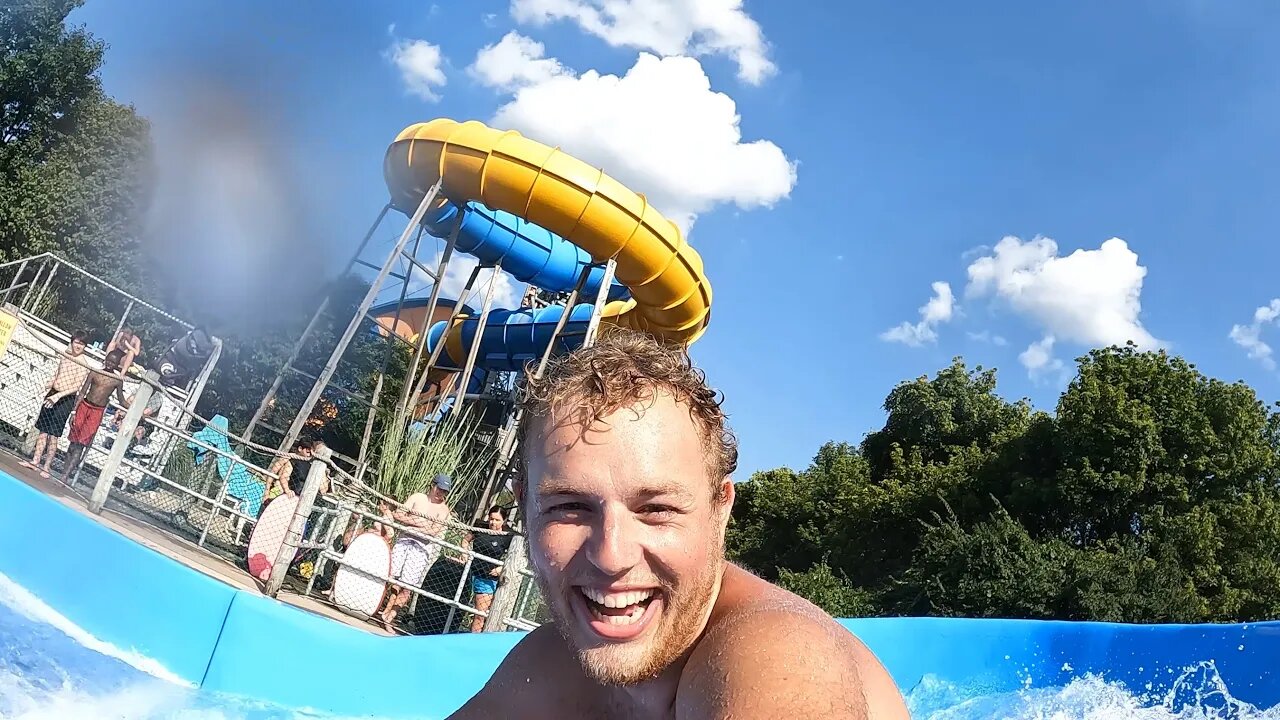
21, 601
52, 669
1199, 693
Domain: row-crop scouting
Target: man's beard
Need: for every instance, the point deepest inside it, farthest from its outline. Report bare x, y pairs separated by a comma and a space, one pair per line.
634, 662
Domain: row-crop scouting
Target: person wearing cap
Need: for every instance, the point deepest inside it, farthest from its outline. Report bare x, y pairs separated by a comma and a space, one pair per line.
416, 551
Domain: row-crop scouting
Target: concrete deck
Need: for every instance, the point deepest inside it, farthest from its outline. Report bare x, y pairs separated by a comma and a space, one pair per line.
186, 553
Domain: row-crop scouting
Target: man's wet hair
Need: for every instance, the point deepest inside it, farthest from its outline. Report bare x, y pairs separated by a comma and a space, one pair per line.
80, 336
115, 357
625, 367
303, 445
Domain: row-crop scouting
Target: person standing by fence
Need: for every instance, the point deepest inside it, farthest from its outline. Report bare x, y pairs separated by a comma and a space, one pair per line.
88, 417
59, 399
493, 541
289, 475
413, 554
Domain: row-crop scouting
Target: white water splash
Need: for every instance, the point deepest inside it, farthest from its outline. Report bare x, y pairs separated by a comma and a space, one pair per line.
1199, 693
21, 601
24, 700
154, 693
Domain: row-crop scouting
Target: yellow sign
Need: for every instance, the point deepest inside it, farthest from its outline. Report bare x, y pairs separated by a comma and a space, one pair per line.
8, 322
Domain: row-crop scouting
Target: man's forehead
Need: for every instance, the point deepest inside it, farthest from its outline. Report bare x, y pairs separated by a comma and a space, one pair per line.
652, 441
591, 484
565, 423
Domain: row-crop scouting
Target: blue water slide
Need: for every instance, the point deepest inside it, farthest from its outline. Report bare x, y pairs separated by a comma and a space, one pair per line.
533, 255
514, 337
525, 250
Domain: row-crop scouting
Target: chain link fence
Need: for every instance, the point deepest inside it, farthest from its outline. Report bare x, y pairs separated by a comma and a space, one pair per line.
298, 522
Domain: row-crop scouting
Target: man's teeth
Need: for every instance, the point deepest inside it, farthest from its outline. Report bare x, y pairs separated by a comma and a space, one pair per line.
634, 614
617, 600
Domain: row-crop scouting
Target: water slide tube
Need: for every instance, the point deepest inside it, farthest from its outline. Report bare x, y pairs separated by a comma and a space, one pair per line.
526, 251
222, 639
550, 190
531, 254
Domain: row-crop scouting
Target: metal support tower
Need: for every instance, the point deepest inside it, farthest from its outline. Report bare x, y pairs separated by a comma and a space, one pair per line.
321, 381
502, 469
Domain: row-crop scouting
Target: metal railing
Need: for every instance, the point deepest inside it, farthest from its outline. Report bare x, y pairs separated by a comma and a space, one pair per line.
158, 462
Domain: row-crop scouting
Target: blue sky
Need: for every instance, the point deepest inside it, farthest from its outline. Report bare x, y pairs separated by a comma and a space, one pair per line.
885, 148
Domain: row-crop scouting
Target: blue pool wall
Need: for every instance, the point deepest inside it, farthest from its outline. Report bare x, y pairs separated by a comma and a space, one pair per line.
241, 643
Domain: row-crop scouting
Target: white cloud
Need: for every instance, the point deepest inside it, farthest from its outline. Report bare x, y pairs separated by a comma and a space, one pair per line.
666, 27
1038, 358
1249, 336
987, 337
514, 62
1090, 296
505, 295
939, 309
421, 66
659, 129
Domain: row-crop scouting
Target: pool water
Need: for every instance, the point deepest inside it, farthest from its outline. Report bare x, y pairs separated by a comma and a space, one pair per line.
50, 669
1198, 694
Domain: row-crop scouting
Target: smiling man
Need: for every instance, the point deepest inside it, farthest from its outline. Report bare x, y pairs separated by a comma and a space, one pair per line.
626, 496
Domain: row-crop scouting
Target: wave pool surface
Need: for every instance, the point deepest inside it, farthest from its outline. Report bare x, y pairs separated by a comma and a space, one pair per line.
93, 625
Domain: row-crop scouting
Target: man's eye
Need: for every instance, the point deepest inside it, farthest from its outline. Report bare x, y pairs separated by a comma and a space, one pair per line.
569, 507
658, 511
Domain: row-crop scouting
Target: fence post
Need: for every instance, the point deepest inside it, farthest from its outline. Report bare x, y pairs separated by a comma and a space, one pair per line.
504, 599
124, 436
297, 526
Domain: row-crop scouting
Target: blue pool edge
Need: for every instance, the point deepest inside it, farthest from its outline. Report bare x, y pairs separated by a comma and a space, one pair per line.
227, 640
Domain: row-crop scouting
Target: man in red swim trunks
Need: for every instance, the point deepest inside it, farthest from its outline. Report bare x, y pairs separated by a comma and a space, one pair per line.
88, 415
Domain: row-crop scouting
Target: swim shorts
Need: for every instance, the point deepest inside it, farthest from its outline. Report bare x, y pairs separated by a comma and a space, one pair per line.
52, 420
484, 585
411, 560
84, 426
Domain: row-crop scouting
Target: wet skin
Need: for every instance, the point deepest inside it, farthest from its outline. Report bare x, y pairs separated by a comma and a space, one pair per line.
626, 538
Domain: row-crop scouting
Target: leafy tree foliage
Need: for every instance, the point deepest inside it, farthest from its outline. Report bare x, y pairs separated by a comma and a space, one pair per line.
75, 169
76, 178
1149, 496
252, 359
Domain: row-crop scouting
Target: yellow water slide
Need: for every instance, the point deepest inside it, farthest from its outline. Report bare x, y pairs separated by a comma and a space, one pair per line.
505, 171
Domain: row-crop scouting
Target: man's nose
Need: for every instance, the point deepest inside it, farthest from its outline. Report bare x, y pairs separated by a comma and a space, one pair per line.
613, 547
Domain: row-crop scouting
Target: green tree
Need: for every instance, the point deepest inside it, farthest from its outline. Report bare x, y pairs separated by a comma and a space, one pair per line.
76, 178
252, 359
75, 166
1150, 495
75, 169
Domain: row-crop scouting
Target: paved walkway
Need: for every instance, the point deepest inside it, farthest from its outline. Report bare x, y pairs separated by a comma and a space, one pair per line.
183, 552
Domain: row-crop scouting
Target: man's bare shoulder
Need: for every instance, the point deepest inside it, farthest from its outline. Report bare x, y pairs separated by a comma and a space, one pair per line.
769, 653
537, 679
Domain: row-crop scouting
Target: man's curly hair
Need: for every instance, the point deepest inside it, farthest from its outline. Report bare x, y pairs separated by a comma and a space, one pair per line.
623, 368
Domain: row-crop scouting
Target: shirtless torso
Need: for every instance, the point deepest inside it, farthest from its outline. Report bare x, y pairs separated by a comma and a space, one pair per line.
421, 511
69, 376
101, 385
626, 496
788, 639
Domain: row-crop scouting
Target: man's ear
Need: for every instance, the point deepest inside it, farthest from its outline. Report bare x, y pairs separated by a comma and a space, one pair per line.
725, 495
